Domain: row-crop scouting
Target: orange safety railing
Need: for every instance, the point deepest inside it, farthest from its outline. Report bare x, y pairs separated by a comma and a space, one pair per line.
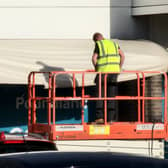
52, 95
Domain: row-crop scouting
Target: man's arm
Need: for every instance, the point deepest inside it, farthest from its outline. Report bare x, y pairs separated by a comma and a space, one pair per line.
94, 59
95, 55
122, 57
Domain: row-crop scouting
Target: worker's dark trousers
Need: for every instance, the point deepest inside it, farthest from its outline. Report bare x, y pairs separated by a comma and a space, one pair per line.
112, 91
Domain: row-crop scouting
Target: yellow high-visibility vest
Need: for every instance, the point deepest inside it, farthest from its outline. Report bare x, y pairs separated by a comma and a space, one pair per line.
109, 58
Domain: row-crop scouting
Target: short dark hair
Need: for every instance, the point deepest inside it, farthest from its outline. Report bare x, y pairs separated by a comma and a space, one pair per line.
97, 36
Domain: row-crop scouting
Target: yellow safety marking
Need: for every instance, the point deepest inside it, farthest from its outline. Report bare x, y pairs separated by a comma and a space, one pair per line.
99, 130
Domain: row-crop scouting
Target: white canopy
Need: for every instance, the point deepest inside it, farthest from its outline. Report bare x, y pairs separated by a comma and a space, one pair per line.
19, 57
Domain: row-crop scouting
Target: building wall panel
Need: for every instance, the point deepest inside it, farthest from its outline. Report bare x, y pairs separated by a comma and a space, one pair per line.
149, 7
149, 2
54, 19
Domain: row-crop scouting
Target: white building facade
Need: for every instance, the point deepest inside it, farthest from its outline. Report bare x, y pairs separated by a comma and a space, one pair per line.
79, 19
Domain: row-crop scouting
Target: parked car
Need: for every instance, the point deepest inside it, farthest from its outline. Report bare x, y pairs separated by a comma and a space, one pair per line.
13, 143
57, 159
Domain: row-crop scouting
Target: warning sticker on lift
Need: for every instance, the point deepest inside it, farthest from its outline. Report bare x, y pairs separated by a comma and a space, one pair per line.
69, 128
99, 129
150, 127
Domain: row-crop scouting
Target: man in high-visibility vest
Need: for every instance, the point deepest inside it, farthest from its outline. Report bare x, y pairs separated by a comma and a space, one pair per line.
107, 57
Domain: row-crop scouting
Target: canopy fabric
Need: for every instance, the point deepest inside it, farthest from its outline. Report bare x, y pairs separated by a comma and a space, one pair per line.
19, 57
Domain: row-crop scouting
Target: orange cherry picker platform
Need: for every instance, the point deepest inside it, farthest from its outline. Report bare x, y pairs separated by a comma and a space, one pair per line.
140, 129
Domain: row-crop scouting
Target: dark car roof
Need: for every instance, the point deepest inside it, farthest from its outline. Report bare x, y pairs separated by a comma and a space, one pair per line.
80, 159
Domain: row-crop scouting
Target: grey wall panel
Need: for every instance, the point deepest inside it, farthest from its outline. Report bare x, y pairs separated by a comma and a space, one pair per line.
123, 25
149, 7
149, 10
121, 3
158, 29
148, 2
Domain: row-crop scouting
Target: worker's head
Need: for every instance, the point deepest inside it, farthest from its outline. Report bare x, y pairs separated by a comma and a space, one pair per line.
97, 36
